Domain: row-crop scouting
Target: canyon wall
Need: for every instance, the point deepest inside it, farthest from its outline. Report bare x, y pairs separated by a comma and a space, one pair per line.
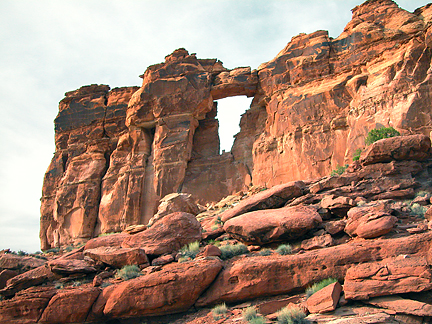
119, 151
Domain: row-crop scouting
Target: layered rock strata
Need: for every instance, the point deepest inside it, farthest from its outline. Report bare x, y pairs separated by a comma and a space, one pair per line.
119, 151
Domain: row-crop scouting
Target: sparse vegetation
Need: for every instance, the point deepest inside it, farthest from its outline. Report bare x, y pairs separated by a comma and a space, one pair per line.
128, 272
284, 249
190, 250
339, 170
53, 250
229, 251
291, 315
249, 313
265, 252
105, 284
22, 253
106, 234
380, 133
418, 210
357, 154
219, 311
318, 286
58, 285
258, 320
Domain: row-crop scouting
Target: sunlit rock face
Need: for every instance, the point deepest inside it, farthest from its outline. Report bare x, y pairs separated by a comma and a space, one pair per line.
119, 151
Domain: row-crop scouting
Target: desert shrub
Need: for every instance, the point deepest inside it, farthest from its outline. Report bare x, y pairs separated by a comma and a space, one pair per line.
291, 315
265, 252
339, 170
106, 234
129, 272
357, 154
190, 250
284, 249
249, 313
105, 284
380, 133
53, 250
318, 286
418, 210
58, 285
257, 320
218, 221
214, 227
22, 253
219, 311
228, 251
68, 248
422, 193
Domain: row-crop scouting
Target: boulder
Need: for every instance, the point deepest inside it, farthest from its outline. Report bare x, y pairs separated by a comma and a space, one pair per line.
338, 205
249, 278
370, 221
133, 229
21, 263
5, 275
396, 275
317, 242
325, 300
175, 202
27, 306
70, 266
168, 235
335, 227
115, 239
274, 197
402, 305
273, 225
173, 289
412, 147
70, 306
209, 250
27, 279
118, 257
162, 260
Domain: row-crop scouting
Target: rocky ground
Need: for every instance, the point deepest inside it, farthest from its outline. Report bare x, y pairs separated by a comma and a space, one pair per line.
368, 228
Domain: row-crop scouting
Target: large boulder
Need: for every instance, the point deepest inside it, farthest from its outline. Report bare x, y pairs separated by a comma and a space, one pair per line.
27, 306
250, 278
27, 279
118, 257
370, 221
325, 299
274, 197
167, 235
402, 305
173, 289
70, 306
397, 275
412, 147
115, 239
70, 266
273, 225
22, 263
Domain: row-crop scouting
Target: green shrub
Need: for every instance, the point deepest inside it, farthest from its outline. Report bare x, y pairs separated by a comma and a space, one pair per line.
291, 315
418, 210
249, 313
129, 272
190, 250
228, 251
380, 133
258, 320
218, 221
105, 284
357, 154
339, 170
22, 253
58, 285
265, 252
219, 311
106, 234
319, 285
284, 249
53, 250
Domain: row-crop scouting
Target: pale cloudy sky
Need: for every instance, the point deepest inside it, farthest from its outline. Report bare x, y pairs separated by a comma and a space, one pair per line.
50, 47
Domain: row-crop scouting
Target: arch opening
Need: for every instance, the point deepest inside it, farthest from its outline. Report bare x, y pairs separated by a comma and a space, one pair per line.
229, 112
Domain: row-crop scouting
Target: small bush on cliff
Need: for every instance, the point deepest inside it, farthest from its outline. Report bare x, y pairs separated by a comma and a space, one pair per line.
228, 251
190, 250
318, 286
129, 272
249, 314
418, 210
265, 252
357, 154
291, 315
219, 311
380, 133
339, 170
284, 249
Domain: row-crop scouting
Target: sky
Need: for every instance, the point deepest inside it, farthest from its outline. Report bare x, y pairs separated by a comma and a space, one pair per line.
50, 47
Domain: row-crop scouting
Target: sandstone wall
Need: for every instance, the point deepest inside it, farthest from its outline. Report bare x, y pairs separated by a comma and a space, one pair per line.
119, 151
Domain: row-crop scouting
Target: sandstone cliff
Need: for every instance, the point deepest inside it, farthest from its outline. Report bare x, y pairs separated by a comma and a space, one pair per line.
118, 152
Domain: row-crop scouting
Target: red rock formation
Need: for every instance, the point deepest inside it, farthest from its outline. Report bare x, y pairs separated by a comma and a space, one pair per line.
119, 151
